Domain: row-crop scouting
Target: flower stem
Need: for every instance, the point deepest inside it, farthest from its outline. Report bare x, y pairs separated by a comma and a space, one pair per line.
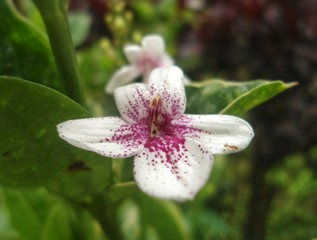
54, 16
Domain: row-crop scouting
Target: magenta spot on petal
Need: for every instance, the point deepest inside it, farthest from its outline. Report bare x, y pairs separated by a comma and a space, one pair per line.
128, 137
167, 147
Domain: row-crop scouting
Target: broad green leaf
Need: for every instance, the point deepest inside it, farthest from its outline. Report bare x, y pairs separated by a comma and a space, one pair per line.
82, 178
31, 153
217, 96
8, 236
21, 212
24, 50
58, 225
7, 230
29, 210
37, 214
32, 14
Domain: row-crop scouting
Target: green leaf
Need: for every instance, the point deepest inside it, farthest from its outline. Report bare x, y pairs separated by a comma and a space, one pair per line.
58, 225
21, 212
24, 50
217, 96
82, 178
31, 152
4, 236
37, 214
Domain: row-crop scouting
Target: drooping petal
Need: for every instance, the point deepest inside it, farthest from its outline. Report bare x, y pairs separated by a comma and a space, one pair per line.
133, 53
167, 83
153, 45
133, 102
172, 168
121, 77
220, 133
108, 136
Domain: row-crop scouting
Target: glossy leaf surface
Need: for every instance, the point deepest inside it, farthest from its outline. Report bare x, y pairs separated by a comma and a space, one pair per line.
217, 96
31, 152
24, 50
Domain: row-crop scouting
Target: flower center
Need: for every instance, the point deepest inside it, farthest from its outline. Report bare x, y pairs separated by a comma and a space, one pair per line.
156, 119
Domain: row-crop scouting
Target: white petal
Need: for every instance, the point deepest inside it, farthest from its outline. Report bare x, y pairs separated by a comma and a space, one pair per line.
121, 77
133, 102
167, 61
108, 136
220, 133
167, 82
154, 46
133, 53
172, 169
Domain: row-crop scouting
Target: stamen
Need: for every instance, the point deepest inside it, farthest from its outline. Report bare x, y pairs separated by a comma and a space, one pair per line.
156, 118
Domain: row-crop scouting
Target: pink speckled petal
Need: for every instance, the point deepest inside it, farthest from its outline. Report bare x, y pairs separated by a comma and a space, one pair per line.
220, 133
153, 45
133, 53
121, 77
172, 168
167, 82
108, 136
133, 102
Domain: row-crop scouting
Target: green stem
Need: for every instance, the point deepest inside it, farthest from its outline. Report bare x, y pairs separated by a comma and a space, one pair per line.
54, 16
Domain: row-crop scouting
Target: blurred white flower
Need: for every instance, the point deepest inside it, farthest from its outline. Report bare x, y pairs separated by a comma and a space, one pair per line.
143, 59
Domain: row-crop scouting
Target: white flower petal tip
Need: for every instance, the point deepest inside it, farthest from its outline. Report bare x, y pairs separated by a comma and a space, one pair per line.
222, 134
173, 151
173, 168
109, 136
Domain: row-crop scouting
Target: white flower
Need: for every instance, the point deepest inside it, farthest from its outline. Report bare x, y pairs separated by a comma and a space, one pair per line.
143, 59
173, 151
